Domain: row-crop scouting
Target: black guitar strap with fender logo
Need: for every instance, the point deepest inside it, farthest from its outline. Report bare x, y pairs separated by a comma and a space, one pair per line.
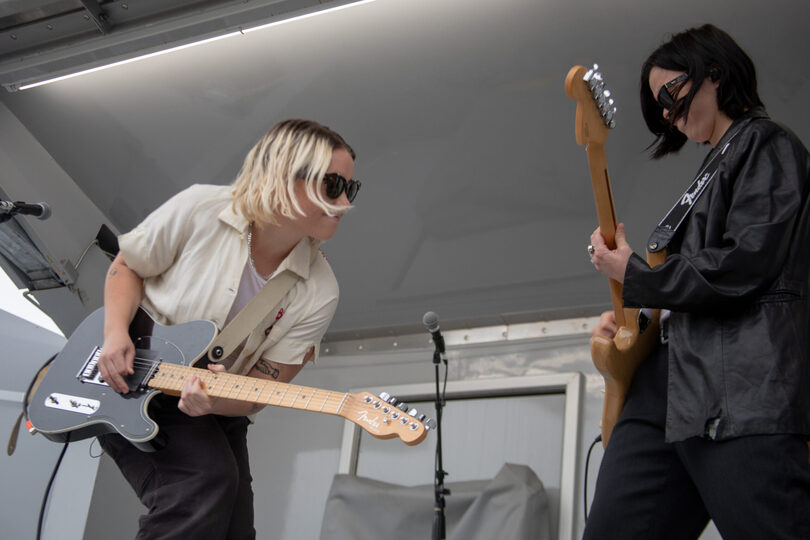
666, 229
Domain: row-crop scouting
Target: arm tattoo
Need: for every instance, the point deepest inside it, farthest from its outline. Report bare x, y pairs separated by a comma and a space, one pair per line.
113, 271
267, 369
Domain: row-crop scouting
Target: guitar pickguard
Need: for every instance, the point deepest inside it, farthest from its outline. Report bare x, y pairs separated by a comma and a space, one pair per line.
73, 401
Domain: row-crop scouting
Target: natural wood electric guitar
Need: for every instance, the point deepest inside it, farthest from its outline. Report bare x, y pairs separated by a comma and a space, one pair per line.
72, 402
616, 359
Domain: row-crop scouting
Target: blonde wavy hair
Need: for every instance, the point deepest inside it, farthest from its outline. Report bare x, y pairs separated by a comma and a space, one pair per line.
292, 150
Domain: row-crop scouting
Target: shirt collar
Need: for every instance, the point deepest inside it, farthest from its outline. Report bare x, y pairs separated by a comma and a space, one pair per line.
237, 221
299, 259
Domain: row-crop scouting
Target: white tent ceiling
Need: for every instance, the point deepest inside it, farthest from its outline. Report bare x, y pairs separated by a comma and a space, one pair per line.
476, 200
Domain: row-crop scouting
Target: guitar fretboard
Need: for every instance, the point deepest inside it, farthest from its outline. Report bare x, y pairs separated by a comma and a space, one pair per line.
171, 377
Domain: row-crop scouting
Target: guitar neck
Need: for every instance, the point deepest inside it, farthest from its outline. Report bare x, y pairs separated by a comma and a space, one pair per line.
606, 214
171, 377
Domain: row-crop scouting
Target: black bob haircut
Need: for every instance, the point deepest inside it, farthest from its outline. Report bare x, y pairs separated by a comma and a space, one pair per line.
700, 52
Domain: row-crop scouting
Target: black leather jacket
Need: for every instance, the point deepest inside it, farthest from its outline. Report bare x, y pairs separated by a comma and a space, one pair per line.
737, 279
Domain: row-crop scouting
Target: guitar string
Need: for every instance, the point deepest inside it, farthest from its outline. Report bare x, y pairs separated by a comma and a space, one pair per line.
145, 362
310, 393
339, 401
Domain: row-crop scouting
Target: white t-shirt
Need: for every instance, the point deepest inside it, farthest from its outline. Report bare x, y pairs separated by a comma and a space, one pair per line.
191, 253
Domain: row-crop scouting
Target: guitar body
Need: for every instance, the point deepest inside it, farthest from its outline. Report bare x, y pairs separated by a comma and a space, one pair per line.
617, 359
69, 404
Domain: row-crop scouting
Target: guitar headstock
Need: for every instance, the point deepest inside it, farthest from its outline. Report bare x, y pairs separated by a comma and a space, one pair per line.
385, 417
596, 111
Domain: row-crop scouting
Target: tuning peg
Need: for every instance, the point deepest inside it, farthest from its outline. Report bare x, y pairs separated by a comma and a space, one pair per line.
393, 401
413, 413
595, 80
430, 423
590, 73
403, 407
610, 118
602, 100
385, 396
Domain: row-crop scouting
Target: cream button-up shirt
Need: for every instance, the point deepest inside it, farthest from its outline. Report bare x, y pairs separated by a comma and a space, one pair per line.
191, 253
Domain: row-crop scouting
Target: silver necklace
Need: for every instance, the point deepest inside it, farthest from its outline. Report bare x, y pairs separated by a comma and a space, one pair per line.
250, 255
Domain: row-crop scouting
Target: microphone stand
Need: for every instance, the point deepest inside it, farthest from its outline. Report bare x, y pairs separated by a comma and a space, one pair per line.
439, 490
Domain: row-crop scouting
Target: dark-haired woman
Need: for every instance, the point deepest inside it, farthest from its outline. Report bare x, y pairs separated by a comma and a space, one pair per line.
716, 421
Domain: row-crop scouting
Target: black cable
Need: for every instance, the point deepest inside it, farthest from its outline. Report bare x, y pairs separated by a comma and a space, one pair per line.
25, 401
48, 489
597, 440
444, 387
443, 401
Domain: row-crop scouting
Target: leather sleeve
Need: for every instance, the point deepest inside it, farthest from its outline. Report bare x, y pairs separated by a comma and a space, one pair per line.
735, 248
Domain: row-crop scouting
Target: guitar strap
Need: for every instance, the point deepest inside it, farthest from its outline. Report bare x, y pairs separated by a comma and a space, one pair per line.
238, 336
666, 229
12, 440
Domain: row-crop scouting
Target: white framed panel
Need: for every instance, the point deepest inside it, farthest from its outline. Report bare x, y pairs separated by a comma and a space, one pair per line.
569, 385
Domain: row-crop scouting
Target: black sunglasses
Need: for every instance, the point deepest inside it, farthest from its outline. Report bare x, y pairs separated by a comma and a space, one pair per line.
664, 98
336, 184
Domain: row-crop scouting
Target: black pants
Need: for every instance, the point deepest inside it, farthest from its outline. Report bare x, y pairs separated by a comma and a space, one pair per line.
753, 487
198, 485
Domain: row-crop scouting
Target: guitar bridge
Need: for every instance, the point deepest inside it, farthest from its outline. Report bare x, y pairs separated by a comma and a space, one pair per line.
144, 367
89, 372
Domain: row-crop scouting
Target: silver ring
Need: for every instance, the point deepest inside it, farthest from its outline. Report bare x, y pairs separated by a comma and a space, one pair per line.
590, 250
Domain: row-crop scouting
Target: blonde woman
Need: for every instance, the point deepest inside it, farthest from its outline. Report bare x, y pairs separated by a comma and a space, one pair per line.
203, 255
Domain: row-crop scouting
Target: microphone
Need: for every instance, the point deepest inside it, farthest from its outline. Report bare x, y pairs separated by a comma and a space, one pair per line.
39, 210
431, 321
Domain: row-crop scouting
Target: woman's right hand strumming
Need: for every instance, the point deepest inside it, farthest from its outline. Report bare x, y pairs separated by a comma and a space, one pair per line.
123, 290
116, 360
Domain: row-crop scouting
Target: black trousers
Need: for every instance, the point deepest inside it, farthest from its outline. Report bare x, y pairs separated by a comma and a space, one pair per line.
752, 487
198, 485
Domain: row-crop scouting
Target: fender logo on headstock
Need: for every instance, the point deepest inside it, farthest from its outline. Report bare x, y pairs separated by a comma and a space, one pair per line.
363, 416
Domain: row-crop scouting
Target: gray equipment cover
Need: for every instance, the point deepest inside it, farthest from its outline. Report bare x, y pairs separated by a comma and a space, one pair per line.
511, 506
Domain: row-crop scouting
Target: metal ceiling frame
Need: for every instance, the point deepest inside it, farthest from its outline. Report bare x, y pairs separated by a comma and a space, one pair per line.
96, 35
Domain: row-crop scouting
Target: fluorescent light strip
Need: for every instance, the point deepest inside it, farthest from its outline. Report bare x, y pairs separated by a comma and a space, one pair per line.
194, 44
307, 15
